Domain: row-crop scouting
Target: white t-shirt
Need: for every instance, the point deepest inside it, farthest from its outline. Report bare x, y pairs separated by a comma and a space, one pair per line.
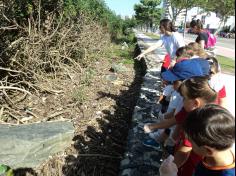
172, 43
168, 91
216, 82
176, 102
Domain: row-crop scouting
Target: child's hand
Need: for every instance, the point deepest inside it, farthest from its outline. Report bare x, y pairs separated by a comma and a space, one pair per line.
148, 128
139, 57
168, 167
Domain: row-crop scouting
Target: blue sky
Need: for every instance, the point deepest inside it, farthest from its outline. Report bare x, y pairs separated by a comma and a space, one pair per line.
122, 7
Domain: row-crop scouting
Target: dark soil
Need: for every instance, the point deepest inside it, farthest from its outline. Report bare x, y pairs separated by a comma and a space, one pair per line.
102, 121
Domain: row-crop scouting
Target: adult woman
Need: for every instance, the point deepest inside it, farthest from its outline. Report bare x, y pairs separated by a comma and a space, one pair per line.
171, 40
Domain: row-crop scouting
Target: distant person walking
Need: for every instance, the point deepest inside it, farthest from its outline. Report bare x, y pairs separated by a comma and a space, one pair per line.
171, 40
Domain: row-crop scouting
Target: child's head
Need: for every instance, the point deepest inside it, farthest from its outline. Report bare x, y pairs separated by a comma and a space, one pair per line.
182, 52
176, 84
197, 92
195, 49
210, 129
165, 83
214, 65
196, 26
166, 25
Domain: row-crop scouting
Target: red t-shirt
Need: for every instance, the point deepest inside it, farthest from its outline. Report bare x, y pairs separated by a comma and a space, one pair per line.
221, 94
188, 168
167, 61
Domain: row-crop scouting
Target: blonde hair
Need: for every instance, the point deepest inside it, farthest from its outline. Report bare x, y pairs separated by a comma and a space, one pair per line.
195, 48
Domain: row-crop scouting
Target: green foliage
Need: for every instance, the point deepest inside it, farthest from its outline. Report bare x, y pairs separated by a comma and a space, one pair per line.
23, 10
227, 64
177, 6
79, 95
223, 9
148, 12
88, 76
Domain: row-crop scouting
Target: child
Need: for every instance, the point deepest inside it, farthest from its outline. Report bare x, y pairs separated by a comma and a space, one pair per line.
195, 51
216, 81
175, 105
164, 99
196, 93
197, 28
211, 130
171, 40
181, 71
182, 54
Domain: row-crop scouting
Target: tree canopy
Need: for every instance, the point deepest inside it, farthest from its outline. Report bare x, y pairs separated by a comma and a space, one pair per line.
148, 12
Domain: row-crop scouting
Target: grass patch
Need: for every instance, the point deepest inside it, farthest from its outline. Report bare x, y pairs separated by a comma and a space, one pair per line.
227, 64
153, 36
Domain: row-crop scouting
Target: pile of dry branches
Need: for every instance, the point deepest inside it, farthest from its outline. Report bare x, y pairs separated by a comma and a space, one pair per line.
46, 57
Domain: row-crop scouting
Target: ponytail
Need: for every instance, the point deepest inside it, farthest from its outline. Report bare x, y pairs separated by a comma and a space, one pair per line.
199, 87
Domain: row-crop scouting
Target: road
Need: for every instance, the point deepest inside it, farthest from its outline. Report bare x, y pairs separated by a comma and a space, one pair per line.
225, 47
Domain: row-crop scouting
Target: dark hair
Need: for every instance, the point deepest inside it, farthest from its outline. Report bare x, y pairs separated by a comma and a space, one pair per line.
212, 126
214, 65
198, 87
182, 52
168, 25
197, 23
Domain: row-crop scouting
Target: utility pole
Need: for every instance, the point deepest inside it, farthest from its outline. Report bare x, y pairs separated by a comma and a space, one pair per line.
185, 21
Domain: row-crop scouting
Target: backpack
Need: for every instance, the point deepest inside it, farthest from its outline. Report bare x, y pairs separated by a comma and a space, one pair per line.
211, 40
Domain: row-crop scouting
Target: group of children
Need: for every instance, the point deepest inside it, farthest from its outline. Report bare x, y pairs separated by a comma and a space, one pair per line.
193, 85
191, 129
194, 125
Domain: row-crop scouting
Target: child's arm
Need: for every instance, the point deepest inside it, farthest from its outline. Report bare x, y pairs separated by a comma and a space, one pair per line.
150, 49
161, 98
182, 155
166, 123
176, 132
169, 115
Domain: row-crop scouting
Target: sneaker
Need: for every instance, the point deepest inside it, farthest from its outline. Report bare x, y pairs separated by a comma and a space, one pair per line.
152, 143
156, 134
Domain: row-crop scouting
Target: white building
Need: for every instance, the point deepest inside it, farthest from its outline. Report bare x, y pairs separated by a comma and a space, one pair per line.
167, 13
210, 20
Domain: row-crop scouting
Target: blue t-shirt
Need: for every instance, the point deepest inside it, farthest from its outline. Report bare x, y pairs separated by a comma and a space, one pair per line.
201, 170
